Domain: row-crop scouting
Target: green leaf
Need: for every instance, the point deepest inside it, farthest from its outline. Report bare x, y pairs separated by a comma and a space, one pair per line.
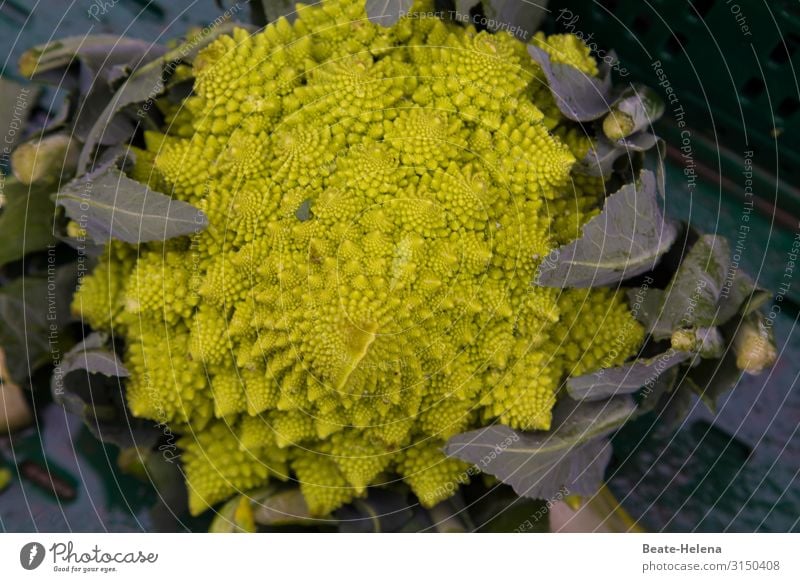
642, 103
673, 409
172, 507
464, 6
624, 379
47, 159
740, 292
236, 516
572, 456
100, 57
145, 83
638, 108
693, 295
387, 12
709, 342
275, 9
280, 507
500, 510
87, 383
580, 97
57, 118
654, 161
626, 239
520, 17
108, 205
447, 518
705, 289
646, 308
382, 510
710, 379
118, 129
650, 396
94, 357
33, 310
26, 220
263, 12
600, 159
16, 103
756, 301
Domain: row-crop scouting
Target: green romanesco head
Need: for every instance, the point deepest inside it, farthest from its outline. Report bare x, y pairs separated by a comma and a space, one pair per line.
379, 200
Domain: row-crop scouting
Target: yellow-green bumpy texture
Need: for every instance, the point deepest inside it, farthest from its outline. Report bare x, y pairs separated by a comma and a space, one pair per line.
379, 200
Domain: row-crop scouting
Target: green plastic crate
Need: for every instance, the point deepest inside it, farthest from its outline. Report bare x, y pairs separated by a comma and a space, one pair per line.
731, 64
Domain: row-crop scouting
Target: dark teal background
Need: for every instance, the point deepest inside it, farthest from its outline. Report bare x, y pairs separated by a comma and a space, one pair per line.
736, 470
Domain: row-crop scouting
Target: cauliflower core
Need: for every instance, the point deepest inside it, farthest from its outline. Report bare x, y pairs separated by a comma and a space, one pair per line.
379, 200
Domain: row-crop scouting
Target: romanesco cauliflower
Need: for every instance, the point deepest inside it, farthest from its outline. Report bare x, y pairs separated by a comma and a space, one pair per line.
379, 200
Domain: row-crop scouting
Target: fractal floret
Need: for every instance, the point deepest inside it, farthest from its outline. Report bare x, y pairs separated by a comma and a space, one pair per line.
379, 200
